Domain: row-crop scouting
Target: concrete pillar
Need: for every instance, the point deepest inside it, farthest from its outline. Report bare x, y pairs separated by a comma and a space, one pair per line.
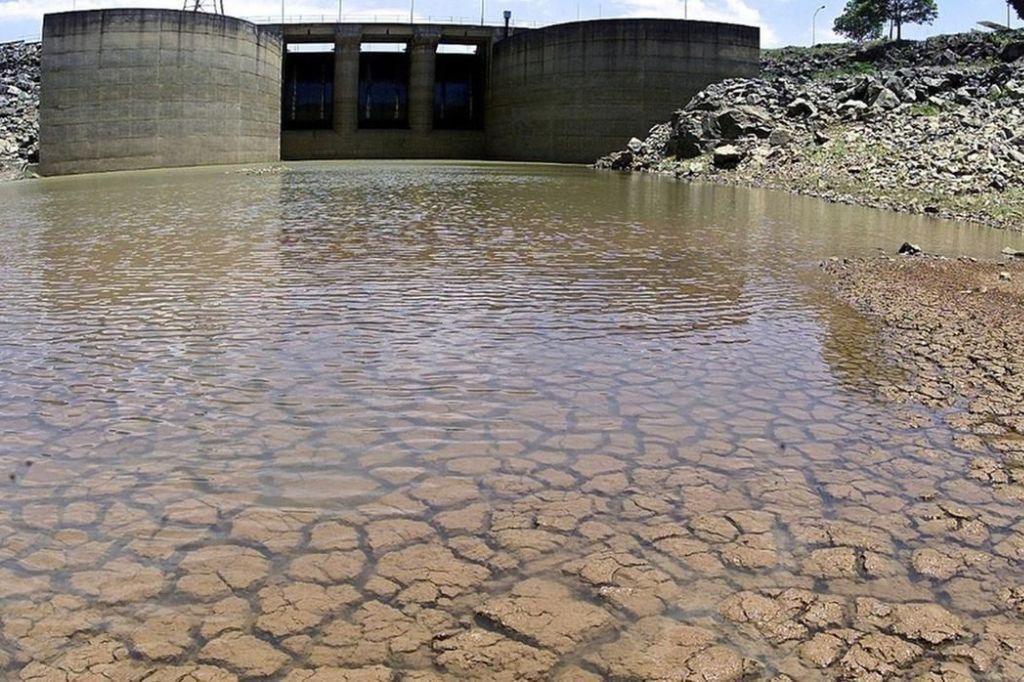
422, 58
346, 80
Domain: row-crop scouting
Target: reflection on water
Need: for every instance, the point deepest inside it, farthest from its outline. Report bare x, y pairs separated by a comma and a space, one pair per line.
492, 421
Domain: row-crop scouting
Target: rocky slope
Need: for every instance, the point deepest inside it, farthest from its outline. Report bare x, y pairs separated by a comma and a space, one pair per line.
932, 127
19, 106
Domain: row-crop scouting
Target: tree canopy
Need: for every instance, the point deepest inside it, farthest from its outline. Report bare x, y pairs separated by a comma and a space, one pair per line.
863, 19
1019, 6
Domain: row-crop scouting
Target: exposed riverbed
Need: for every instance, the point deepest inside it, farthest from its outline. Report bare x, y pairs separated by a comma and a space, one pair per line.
399, 421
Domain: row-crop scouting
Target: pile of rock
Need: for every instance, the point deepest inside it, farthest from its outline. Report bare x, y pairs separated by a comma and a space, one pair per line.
19, 104
933, 127
947, 50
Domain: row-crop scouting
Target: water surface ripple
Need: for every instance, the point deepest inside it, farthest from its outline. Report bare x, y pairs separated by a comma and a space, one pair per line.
440, 421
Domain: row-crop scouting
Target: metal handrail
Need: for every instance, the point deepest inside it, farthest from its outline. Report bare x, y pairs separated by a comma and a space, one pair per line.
378, 19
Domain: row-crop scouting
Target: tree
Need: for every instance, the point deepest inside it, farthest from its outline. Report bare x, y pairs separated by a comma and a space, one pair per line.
861, 20
1019, 6
867, 18
911, 12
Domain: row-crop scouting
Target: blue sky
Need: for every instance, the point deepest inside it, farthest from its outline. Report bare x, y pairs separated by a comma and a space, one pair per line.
783, 22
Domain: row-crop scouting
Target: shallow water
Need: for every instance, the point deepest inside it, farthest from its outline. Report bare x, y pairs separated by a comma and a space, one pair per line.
492, 421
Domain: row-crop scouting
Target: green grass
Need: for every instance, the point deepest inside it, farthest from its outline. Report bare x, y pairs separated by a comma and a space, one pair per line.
851, 69
925, 109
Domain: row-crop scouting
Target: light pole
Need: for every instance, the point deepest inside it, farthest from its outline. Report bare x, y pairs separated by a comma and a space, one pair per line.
686, 9
481, 12
339, 11
814, 26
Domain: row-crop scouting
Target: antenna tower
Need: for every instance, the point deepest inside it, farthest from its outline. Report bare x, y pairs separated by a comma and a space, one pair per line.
214, 6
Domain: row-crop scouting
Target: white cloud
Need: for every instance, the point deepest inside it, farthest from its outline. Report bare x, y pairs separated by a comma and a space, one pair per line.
730, 11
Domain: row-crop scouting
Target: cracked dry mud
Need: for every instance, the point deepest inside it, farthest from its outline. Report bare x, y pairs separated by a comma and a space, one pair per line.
331, 493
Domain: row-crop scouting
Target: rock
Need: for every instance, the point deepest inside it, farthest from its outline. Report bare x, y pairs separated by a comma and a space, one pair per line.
744, 120
19, 106
1004, 276
1011, 52
780, 137
801, 108
727, 156
908, 249
685, 144
635, 145
620, 160
887, 99
1012, 253
852, 107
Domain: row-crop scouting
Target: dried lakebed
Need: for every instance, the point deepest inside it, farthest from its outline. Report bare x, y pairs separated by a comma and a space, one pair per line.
426, 422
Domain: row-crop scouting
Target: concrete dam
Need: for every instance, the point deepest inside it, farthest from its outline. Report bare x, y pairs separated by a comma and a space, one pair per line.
126, 89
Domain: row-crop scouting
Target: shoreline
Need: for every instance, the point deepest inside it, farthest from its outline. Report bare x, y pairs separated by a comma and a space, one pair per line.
927, 128
862, 201
953, 326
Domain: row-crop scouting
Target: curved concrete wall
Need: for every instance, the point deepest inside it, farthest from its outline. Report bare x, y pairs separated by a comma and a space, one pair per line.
131, 88
573, 92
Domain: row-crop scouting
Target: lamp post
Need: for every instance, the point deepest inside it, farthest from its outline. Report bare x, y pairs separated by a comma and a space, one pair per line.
814, 26
481, 12
686, 9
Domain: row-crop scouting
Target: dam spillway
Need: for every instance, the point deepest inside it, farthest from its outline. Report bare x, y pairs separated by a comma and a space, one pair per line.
127, 89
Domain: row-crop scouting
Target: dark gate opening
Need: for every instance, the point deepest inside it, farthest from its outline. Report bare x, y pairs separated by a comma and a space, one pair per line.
383, 86
308, 101
458, 90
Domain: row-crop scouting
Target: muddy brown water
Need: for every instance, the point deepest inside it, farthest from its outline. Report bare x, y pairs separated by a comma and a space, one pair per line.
439, 421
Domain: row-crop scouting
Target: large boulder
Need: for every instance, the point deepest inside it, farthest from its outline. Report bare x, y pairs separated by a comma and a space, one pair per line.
685, 143
1011, 52
737, 122
801, 108
887, 99
727, 156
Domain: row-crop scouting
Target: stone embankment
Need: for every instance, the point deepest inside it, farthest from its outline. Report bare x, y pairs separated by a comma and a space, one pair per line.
19, 107
932, 127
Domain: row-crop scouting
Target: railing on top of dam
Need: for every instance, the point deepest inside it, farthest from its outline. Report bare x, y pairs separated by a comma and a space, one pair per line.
367, 18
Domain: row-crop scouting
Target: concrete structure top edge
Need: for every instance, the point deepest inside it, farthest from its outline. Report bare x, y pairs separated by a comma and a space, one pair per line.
83, 21
326, 31
377, 32
741, 34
